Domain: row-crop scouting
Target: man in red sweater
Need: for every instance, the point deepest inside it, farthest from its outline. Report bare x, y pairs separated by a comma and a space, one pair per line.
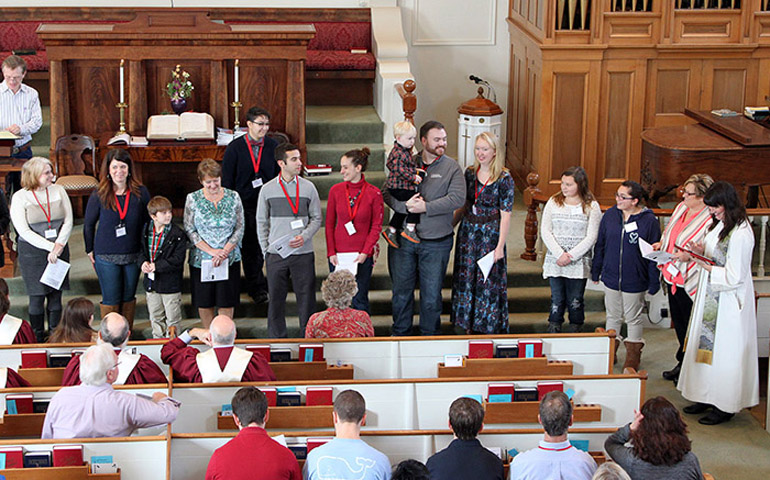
252, 450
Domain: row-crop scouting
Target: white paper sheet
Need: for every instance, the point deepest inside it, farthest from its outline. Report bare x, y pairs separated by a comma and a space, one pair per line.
347, 261
282, 247
485, 263
210, 273
660, 257
54, 274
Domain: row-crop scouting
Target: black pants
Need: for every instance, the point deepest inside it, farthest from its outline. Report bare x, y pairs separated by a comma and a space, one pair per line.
397, 221
251, 256
301, 270
680, 305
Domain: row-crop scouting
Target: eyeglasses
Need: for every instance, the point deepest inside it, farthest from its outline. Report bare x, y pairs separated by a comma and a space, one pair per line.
685, 193
115, 366
622, 197
261, 124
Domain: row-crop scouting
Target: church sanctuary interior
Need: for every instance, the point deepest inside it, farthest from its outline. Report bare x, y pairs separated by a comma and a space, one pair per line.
651, 91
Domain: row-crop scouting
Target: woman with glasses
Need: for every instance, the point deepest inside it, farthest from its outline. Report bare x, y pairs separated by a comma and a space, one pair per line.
618, 262
689, 223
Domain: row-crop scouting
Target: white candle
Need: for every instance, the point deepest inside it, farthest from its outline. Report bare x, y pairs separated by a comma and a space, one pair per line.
122, 93
236, 79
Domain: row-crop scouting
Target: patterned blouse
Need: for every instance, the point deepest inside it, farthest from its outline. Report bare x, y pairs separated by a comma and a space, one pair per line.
336, 323
215, 225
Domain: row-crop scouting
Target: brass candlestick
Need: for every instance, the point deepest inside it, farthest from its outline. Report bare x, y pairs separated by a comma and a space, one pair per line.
122, 106
237, 106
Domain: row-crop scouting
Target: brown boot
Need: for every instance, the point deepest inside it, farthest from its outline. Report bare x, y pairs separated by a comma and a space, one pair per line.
105, 309
127, 309
633, 355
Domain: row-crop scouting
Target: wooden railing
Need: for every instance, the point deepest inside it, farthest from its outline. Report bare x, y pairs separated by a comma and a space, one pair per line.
534, 198
408, 99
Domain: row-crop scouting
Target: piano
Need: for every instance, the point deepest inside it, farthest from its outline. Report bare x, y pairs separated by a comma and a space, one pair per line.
733, 149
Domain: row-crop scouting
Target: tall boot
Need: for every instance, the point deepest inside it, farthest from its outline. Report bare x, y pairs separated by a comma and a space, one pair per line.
633, 355
53, 320
38, 326
127, 309
105, 309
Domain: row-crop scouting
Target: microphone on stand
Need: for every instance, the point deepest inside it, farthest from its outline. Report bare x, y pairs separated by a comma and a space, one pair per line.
481, 81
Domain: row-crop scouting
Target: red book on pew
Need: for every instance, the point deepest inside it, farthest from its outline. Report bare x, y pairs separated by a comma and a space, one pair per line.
550, 386
34, 359
500, 389
530, 348
67, 455
313, 442
311, 352
14, 456
271, 394
481, 349
318, 396
263, 350
23, 402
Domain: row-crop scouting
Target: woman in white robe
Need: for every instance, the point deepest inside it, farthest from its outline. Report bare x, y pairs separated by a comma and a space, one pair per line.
720, 371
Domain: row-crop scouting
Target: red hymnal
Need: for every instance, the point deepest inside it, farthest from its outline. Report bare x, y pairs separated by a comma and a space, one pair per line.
545, 387
14, 456
67, 455
271, 394
318, 396
311, 353
500, 389
481, 349
23, 402
263, 350
34, 359
313, 442
530, 348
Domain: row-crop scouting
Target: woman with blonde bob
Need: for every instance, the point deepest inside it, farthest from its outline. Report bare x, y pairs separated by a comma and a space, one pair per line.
480, 304
339, 320
610, 471
42, 216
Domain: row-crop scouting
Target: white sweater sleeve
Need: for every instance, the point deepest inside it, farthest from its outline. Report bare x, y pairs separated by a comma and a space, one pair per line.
546, 230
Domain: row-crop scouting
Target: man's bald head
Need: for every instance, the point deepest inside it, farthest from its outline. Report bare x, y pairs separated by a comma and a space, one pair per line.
222, 330
114, 330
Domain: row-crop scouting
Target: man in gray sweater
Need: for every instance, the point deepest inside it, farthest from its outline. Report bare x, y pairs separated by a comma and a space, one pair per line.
441, 193
288, 215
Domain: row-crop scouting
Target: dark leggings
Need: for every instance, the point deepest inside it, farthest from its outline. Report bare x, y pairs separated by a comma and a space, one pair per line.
681, 305
37, 303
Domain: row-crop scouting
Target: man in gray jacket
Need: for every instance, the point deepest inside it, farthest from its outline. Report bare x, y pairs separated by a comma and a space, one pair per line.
288, 215
441, 193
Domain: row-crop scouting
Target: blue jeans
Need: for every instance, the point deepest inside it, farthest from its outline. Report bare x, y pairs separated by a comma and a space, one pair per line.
567, 294
427, 262
118, 282
363, 277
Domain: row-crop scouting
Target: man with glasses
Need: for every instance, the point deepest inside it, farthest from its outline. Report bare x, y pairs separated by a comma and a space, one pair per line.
248, 163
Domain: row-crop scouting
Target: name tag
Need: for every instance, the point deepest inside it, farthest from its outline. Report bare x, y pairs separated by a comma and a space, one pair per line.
473, 209
151, 276
350, 228
672, 270
256, 183
630, 227
298, 223
50, 233
120, 231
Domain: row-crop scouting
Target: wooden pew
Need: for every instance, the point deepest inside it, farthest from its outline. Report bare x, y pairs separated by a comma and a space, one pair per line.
59, 473
498, 367
43, 377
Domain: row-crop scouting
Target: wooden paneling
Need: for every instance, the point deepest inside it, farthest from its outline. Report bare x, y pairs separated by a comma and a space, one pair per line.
717, 26
262, 83
93, 92
158, 74
726, 83
567, 125
672, 86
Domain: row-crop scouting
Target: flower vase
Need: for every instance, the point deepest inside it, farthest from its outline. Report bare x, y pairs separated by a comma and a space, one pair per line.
179, 105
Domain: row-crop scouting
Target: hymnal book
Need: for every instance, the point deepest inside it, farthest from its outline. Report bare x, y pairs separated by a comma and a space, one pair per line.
320, 169
14, 456
187, 126
280, 355
498, 451
313, 442
756, 113
78, 351
550, 386
318, 396
530, 348
580, 444
22, 402
126, 139
298, 449
263, 350
500, 398
454, 360
311, 352
59, 360
40, 406
481, 349
697, 256
227, 410
288, 399
34, 359
103, 464
478, 398
500, 389
67, 455
508, 350
271, 395
525, 394
37, 460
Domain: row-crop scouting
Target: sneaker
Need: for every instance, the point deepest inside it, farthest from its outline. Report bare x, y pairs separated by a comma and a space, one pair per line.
391, 237
410, 235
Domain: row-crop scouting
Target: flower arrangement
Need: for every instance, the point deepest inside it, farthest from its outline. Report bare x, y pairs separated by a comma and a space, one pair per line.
180, 85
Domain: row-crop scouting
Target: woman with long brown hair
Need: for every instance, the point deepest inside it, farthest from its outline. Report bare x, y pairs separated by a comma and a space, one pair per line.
119, 206
76, 323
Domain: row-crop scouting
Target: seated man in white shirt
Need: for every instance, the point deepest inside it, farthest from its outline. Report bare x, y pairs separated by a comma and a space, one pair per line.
555, 458
95, 409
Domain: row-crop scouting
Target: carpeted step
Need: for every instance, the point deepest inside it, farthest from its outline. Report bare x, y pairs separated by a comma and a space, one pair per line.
331, 154
348, 125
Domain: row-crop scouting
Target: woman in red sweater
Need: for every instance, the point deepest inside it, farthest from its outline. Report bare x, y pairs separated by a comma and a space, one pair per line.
353, 222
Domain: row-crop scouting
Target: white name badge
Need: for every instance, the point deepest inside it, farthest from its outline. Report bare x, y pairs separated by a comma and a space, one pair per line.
151, 276
298, 223
473, 209
672, 270
256, 183
50, 233
350, 228
630, 227
120, 231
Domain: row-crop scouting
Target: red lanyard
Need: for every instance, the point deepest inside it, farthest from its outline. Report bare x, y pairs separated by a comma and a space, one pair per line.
123, 211
555, 449
294, 208
155, 247
251, 152
48, 204
352, 211
477, 191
